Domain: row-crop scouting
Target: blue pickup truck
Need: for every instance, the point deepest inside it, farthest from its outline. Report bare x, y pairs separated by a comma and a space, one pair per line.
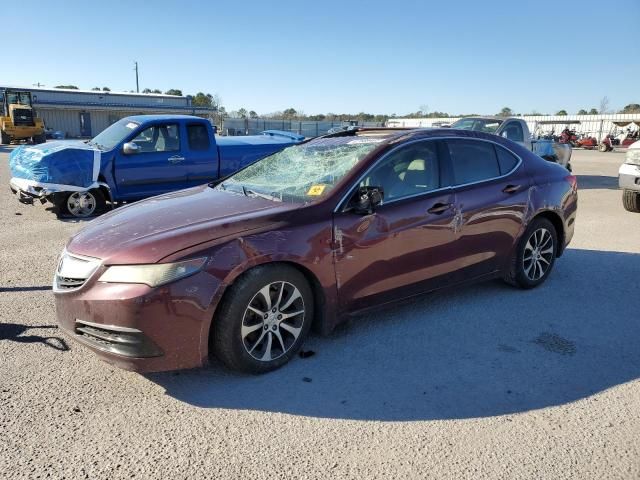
135, 158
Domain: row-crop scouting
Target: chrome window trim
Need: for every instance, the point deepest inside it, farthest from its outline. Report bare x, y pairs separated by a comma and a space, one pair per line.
340, 206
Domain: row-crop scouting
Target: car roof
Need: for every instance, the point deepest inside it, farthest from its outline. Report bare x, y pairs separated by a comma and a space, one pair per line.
148, 118
396, 134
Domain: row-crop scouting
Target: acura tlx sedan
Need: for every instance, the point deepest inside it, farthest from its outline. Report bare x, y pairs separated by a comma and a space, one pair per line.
243, 268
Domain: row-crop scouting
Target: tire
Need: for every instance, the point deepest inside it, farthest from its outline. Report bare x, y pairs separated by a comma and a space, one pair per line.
82, 204
260, 349
524, 270
42, 138
603, 147
5, 139
631, 201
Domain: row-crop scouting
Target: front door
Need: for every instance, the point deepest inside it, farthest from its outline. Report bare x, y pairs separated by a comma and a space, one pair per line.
404, 246
158, 167
85, 124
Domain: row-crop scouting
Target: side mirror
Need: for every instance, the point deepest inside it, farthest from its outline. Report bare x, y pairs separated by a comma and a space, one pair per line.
130, 148
367, 199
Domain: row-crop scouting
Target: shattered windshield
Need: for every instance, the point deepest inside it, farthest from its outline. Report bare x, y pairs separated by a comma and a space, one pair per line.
302, 173
113, 135
489, 125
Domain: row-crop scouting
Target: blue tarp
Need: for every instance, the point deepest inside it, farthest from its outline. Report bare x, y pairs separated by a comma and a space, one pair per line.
71, 163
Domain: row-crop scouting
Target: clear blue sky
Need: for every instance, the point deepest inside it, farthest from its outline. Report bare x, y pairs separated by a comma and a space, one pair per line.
338, 56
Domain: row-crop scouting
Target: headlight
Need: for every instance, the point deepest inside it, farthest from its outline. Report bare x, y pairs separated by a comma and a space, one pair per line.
633, 156
152, 275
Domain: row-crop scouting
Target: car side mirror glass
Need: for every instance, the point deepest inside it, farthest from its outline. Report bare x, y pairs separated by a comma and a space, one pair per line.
367, 199
130, 148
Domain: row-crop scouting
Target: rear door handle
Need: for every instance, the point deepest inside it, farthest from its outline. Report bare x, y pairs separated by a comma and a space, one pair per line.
511, 188
176, 159
439, 208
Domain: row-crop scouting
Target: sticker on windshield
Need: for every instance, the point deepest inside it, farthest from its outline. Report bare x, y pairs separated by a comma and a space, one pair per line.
365, 140
131, 125
315, 190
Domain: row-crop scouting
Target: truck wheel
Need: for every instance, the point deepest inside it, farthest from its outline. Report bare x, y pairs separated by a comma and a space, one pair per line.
631, 201
5, 139
603, 147
39, 138
84, 204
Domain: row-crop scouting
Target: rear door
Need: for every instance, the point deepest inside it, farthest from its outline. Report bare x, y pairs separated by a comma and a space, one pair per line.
201, 155
492, 189
158, 167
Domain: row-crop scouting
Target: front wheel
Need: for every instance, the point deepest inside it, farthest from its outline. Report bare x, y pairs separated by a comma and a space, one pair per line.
631, 201
264, 319
84, 204
5, 139
535, 255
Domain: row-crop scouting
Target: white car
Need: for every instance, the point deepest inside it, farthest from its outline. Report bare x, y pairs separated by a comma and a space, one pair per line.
629, 178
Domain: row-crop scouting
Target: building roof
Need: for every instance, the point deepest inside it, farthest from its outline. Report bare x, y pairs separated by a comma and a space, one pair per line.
92, 92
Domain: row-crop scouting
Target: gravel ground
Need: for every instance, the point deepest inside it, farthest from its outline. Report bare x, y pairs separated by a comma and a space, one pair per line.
481, 382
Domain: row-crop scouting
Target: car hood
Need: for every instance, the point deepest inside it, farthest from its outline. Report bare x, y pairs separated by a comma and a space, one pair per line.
150, 230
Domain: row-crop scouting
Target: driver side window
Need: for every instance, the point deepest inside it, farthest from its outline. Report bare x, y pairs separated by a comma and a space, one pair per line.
513, 131
408, 171
159, 138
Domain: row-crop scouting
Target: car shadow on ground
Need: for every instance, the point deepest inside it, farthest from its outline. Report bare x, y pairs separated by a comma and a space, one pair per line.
597, 182
15, 332
477, 351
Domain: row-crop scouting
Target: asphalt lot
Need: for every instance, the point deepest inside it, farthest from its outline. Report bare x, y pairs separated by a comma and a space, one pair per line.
481, 382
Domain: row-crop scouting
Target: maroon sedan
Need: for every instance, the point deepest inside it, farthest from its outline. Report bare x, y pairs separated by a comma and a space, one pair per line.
243, 268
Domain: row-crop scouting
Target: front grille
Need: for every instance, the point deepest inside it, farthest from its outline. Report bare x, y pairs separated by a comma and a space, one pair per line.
73, 271
66, 282
23, 116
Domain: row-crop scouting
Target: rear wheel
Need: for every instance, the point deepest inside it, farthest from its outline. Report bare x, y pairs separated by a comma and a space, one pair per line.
84, 204
535, 255
603, 147
631, 201
264, 319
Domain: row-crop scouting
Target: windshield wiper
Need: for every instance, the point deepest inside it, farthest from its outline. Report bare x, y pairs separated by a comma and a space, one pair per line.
266, 196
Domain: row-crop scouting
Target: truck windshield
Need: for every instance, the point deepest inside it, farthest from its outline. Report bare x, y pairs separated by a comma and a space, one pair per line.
302, 173
489, 125
19, 98
113, 135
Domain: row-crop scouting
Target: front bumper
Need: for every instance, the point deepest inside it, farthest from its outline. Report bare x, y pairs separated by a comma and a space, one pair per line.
629, 177
140, 328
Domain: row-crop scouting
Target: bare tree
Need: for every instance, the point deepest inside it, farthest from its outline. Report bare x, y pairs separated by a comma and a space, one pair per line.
604, 104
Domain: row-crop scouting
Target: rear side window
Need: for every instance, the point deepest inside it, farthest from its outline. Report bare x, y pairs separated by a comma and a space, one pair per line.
198, 137
506, 159
472, 161
513, 131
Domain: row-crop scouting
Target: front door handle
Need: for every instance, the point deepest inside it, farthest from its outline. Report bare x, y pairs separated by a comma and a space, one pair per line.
176, 159
439, 208
511, 188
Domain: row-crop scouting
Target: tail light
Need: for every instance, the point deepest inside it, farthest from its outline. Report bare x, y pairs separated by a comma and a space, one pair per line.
573, 181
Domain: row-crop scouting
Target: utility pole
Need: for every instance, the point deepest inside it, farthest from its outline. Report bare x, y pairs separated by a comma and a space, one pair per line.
137, 84
38, 84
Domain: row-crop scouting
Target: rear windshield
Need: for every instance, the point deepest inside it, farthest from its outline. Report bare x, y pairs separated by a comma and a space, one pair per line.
302, 173
477, 124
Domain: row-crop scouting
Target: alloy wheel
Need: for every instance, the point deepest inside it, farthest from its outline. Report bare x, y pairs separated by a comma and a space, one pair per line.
81, 204
273, 321
538, 254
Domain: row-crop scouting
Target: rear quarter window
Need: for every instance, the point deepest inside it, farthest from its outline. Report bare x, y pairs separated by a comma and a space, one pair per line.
506, 160
198, 136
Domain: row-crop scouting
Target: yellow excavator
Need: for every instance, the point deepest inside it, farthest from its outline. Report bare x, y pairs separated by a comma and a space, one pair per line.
18, 120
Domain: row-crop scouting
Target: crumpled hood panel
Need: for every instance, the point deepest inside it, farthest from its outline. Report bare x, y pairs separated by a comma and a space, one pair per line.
149, 230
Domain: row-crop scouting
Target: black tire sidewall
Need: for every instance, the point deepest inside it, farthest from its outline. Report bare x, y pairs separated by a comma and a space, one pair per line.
227, 343
521, 276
